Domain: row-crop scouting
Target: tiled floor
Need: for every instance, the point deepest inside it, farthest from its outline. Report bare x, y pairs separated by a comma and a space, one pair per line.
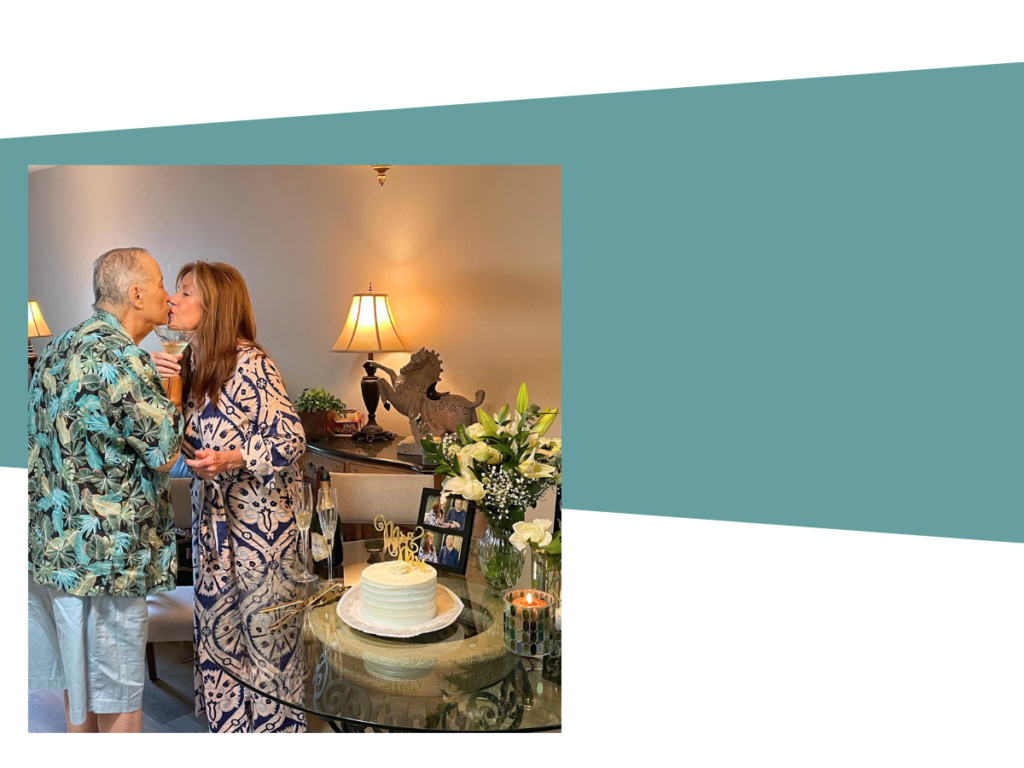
168, 705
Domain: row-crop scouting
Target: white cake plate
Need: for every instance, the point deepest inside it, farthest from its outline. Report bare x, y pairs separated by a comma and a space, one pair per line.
350, 610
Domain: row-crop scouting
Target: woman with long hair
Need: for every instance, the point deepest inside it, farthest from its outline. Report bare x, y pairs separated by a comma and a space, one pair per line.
242, 442
437, 515
427, 552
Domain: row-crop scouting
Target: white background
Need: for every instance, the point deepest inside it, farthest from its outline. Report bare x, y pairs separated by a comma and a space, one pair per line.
751, 645
71, 66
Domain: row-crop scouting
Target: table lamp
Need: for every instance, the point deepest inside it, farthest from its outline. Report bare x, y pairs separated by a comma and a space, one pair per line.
36, 328
370, 328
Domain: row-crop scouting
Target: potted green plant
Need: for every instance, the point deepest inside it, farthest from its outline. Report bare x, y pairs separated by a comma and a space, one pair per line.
317, 408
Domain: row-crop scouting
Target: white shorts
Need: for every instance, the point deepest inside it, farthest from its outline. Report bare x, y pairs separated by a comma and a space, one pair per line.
93, 647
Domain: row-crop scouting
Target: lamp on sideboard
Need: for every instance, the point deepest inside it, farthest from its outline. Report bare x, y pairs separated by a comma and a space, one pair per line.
36, 328
370, 328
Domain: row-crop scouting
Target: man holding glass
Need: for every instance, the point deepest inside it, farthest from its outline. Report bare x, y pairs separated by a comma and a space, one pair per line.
101, 436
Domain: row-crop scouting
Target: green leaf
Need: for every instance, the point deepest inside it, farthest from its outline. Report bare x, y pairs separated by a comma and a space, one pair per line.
315, 400
75, 368
554, 547
120, 389
487, 422
93, 456
503, 413
523, 401
106, 506
505, 450
463, 434
63, 431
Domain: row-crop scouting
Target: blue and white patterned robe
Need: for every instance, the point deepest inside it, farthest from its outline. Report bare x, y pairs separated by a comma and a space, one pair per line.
244, 544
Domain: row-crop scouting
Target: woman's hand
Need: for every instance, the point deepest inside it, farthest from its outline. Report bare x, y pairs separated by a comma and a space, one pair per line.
166, 365
208, 463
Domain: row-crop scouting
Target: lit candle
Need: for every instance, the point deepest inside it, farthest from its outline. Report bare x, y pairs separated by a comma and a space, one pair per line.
529, 602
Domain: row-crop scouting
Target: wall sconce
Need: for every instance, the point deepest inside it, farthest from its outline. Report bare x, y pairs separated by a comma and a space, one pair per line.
380, 170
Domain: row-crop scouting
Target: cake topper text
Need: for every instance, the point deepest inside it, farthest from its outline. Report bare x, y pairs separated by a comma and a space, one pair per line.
397, 543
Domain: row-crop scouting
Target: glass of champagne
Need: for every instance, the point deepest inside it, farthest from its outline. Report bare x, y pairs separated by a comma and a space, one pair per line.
327, 509
303, 506
174, 341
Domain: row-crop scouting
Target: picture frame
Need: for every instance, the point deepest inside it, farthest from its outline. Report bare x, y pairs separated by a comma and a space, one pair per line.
447, 531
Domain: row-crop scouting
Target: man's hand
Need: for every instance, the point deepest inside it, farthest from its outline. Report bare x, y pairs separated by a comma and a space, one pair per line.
209, 463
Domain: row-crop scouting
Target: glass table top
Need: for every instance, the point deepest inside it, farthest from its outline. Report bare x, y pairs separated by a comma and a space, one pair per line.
459, 678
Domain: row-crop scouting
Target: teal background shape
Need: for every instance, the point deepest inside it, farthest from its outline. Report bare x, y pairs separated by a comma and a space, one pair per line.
794, 302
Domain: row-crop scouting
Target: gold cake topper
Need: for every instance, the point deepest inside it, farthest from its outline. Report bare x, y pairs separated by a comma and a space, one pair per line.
404, 546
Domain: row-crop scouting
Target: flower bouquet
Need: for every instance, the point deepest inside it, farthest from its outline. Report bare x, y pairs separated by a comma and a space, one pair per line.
504, 464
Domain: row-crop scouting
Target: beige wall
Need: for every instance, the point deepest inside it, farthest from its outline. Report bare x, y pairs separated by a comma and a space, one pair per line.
470, 255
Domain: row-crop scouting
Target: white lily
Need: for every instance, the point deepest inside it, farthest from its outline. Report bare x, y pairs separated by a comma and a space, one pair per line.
550, 446
512, 417
537, 531
533, 469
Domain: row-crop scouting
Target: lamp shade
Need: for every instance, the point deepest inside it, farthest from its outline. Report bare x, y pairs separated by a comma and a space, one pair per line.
370, 326
36, 325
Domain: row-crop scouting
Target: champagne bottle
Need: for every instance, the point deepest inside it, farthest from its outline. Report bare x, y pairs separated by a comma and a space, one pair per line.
319, 541
317, 545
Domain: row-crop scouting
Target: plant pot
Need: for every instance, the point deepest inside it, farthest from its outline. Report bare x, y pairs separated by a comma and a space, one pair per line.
318, 425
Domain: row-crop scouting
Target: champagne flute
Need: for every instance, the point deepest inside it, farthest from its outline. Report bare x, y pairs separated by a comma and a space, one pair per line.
303, 506
174, 341
327, 510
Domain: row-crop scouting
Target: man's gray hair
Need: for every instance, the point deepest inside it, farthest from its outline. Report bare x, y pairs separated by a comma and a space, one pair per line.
114, 273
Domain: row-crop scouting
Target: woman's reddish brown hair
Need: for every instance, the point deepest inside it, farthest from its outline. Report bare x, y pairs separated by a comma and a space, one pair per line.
228, 323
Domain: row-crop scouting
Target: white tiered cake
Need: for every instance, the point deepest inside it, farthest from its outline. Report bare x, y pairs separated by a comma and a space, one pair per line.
397, 595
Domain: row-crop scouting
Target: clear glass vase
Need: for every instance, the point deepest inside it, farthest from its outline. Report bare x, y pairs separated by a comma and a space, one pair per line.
501, 563
546, 573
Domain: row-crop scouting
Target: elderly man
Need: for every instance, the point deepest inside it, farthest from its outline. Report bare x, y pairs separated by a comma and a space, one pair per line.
457, 514
449, 554
101, 435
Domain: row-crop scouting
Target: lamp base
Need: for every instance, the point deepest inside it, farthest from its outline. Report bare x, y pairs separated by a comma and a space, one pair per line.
371, 431
370, 437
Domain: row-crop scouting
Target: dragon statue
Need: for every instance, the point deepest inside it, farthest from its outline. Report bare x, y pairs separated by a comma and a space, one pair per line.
414, 394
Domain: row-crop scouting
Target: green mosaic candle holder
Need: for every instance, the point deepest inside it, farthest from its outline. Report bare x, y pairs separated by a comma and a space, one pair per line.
529, 630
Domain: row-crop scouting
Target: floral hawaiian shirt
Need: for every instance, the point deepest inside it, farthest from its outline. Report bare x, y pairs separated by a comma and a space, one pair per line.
99, 426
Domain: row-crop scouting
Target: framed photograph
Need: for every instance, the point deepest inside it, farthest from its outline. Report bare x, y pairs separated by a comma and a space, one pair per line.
447, 531
456, 514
